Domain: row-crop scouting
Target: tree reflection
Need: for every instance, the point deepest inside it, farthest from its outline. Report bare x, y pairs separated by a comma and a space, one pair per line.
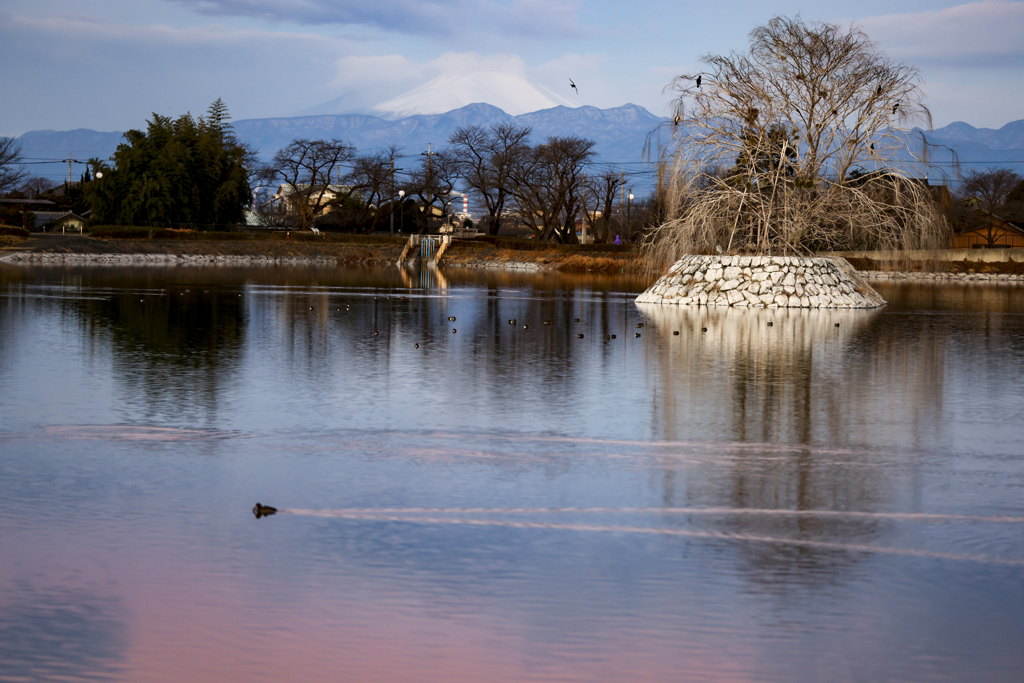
61, 635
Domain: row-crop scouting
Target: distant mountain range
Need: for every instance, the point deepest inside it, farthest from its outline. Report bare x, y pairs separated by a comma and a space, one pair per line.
620, 134
508, 89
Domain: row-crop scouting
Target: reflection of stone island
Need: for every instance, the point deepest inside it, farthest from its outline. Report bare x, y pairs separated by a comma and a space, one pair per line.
263, 510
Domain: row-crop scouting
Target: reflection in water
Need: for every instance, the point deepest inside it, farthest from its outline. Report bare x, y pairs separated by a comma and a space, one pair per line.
60, 636
510, 502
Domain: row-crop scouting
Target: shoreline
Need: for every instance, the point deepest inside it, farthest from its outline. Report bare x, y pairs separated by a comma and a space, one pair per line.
83, 251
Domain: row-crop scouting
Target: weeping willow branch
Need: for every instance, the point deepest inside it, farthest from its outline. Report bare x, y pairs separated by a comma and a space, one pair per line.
795, 147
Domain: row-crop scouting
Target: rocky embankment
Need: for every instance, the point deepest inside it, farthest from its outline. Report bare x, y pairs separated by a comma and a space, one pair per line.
86, 251
763, 282
1008, 278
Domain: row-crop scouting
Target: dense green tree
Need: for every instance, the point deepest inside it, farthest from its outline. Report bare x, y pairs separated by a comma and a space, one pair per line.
184, 171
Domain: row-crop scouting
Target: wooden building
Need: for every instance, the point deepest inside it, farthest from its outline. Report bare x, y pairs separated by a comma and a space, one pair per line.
992, 232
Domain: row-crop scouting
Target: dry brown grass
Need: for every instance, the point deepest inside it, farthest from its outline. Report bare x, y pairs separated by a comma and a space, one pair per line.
579, 263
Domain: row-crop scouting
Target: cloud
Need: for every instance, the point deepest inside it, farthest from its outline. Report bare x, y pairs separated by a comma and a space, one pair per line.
976, 35
79, 73
365, 81
535, 19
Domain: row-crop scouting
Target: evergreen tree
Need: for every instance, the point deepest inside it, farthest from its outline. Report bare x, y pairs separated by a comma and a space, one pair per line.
183, 171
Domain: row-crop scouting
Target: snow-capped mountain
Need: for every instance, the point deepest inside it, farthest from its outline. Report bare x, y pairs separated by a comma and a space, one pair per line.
510, 92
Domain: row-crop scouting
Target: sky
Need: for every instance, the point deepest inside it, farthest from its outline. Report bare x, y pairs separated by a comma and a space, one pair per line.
109, 64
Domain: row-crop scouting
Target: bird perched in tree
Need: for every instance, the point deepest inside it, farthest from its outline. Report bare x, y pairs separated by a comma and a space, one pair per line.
698, 80
895, 107
573, 86
879, 90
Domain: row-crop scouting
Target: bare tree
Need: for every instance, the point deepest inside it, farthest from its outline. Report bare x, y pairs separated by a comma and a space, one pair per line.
990, 188
433, 183
35, 186
547, 187
485, 159
603, 188
11, 174
989, 192
307, 169
794, 116
373, 180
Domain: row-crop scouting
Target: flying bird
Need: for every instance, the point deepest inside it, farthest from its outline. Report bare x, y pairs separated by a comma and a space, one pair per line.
573, 86
698, 80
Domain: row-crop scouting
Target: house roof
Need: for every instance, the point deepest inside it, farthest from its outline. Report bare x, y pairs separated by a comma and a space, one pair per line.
287, 188
46, 217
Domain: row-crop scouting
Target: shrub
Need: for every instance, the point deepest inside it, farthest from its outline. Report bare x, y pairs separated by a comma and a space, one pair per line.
120, 231
14, 231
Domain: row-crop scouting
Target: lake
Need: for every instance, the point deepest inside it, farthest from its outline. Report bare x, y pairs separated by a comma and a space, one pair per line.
768, 495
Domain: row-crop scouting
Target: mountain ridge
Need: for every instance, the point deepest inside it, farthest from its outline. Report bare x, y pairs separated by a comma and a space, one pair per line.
620, 134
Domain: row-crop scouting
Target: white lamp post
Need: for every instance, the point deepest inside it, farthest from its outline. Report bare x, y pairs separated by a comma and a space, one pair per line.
401, 207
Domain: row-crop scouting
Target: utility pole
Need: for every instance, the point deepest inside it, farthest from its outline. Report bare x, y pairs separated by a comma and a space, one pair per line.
584, 207
622, 187
69, 169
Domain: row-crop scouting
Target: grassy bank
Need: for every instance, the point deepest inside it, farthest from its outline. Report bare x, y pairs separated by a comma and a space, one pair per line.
483, 252
566, 258
1009, 267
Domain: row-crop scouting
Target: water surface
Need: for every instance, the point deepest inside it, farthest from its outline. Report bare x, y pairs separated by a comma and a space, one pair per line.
508, 501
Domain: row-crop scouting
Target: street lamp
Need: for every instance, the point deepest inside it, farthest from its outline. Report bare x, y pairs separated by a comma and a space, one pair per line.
401, 207
629, 206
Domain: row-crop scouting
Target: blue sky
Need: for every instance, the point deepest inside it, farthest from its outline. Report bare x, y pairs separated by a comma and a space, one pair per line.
107, 64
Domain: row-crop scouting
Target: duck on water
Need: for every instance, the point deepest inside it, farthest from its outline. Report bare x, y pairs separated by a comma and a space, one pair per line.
263, 510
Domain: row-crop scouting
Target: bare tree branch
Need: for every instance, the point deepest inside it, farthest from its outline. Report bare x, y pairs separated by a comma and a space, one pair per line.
796, 119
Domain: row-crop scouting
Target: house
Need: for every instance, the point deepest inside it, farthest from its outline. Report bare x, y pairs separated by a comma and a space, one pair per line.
63, 221
993, 232
288, 197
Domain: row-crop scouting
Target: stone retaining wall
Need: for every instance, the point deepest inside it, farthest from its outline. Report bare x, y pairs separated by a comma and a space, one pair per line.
45, 258
763, 282
1007, 278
